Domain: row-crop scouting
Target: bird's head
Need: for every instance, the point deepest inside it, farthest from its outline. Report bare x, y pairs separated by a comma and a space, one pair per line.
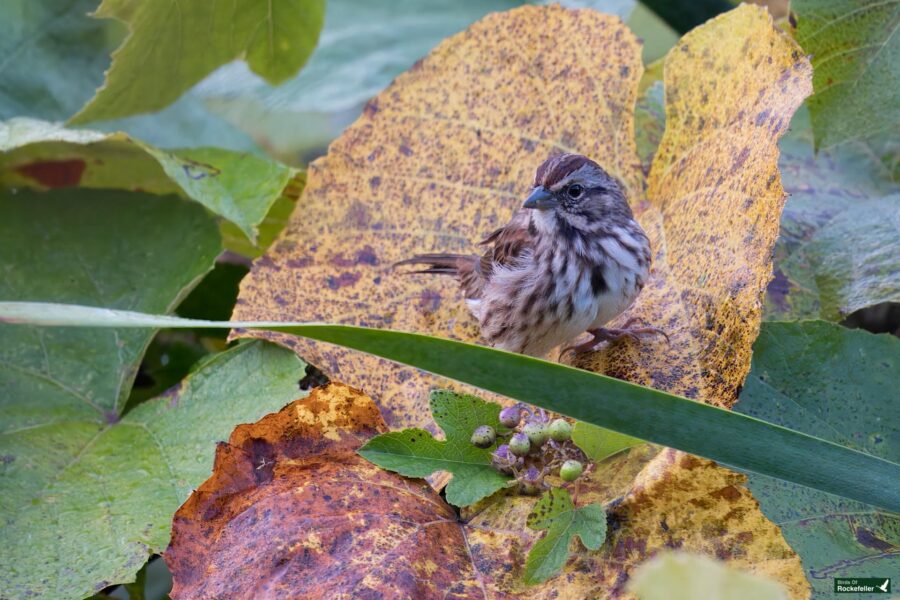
572, 190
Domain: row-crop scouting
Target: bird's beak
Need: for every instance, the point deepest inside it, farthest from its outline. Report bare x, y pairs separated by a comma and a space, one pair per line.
540, 199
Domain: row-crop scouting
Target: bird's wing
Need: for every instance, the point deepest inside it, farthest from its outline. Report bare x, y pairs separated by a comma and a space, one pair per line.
509, 244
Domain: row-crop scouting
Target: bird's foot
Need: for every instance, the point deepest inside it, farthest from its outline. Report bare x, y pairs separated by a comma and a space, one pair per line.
604, 334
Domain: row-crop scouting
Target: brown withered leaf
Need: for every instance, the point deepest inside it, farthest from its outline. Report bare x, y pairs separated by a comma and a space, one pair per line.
291, 511
438, 160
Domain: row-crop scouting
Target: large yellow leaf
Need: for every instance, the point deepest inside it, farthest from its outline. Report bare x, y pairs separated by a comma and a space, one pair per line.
447, 153
438, 160
676, 501
715, 201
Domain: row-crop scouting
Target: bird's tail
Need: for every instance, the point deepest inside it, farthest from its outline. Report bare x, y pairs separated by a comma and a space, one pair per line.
439, 264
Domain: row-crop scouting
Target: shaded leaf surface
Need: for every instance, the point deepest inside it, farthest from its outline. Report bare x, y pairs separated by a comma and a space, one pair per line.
680, 576
556, 513
856, 57
168, 51
239, 187
363, 46
838, 251
292, 510
840, 384
415, 453
56, 54
649, 122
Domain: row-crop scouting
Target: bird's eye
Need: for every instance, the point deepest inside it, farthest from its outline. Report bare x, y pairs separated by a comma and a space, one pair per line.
575, 191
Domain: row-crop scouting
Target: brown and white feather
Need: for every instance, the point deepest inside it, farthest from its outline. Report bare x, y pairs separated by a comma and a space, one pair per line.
549, 275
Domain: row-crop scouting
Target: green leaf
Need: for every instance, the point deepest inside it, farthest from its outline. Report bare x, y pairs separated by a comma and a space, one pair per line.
658, 36
54, 56
114, 249
839, 249
88, 499
556, 513
856, 62
841, 385
271, 226
680, 576
239, 187
599, 443
718, 434
649, 122
169, 49
60, 388
416, 453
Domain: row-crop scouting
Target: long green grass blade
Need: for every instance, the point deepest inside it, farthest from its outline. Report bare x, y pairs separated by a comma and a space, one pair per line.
727, 437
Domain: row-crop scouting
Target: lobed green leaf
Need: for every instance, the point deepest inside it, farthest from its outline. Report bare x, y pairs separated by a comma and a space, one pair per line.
416, 453
556, 513
840, 385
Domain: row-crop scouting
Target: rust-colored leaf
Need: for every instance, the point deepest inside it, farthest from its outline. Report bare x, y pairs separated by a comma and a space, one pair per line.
292, 511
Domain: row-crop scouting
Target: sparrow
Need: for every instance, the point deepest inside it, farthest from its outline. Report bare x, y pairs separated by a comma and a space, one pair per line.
570, 260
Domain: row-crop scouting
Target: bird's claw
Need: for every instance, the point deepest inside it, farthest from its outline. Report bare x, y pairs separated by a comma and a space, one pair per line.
603, 334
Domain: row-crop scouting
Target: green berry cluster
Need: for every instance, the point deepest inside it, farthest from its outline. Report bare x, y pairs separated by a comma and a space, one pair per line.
536, 447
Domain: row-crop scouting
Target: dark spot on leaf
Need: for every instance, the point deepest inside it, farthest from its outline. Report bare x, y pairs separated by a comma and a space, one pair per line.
779, 289
54, 173
299, 263
343, 280
405, 150
429, 301
371, 108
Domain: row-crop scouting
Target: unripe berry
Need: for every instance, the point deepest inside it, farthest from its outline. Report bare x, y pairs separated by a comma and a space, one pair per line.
560, 430
484, 436
519, 444
571, 470
536, 432
510, 416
